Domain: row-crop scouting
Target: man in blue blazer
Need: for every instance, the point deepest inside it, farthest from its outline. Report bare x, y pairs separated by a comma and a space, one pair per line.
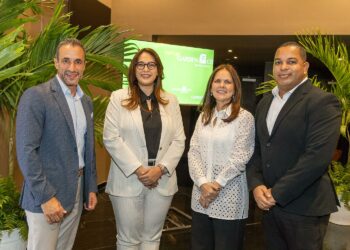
297, 128
55, 150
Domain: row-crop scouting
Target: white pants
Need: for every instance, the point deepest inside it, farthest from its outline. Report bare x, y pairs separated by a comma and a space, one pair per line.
60, 236
140, 219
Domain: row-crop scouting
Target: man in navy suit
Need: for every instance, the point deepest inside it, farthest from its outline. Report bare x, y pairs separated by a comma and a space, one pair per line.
297, 128
55, 150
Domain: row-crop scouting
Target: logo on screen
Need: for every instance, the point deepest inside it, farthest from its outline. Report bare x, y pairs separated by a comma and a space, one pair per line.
203, 58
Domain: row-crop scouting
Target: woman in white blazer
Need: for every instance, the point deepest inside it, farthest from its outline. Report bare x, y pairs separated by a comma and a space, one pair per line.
143, 133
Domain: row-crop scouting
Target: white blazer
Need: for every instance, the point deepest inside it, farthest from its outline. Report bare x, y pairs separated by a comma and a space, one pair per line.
124, 139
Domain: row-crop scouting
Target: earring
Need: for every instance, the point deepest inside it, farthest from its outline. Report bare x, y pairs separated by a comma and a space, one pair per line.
211, 93
233, 98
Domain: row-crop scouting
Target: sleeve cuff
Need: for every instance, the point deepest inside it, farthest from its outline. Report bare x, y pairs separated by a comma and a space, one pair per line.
201, 181
221, 181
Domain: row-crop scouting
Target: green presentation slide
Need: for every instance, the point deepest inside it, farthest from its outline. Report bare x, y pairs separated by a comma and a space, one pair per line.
186, 69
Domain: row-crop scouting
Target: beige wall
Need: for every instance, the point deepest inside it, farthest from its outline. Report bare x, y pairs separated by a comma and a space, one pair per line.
231, 17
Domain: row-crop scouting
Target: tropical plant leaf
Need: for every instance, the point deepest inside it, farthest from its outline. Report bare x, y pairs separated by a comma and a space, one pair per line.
11, 214
106, 60
341, 178
334, 55
267, 86
100, 105
11, 53
101, 76
12, 13
33, 63
12, 72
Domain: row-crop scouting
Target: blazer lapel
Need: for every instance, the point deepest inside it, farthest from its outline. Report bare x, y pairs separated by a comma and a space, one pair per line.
295, 98
165, 123
62, 103
136, 116
88, 114
264, 110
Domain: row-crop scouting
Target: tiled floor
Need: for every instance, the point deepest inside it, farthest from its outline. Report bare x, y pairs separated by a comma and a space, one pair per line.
97, 229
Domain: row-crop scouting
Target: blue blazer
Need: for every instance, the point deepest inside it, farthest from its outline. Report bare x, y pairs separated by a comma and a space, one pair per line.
47, 150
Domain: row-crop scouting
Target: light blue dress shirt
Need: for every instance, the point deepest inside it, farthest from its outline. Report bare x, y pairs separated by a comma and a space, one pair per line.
78, 117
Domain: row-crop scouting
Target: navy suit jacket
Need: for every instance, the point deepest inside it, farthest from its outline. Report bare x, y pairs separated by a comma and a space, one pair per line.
47, 150
294, 159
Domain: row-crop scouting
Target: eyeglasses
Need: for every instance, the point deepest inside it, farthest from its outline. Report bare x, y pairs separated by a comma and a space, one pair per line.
150, 65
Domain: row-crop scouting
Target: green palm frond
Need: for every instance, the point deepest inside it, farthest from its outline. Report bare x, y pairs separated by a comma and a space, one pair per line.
104, 46
10, 67
117, 64
341, 178
100, 105
26, 62
12, 13
11, 214
10, 50
267, 86
334, 55
43, 49
100, 76
103, 41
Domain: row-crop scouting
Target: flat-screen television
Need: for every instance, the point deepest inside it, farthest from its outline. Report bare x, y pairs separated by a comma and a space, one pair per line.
186, 69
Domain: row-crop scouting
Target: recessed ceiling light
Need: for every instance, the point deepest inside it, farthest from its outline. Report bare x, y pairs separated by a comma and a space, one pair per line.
229, 51
235, 57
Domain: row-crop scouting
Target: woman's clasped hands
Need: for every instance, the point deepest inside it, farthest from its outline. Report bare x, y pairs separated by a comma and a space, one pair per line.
209, 192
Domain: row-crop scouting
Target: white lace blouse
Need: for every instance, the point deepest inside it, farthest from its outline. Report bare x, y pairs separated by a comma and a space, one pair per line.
219, 152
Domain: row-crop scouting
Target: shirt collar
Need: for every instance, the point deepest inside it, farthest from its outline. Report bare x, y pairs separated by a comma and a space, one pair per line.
66, 90
222, 114
144, 97
275, 90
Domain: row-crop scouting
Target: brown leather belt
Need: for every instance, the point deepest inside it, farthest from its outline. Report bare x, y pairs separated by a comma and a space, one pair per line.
80, 172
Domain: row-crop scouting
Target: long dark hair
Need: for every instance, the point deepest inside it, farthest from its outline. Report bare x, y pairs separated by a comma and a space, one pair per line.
209, 101
134, 90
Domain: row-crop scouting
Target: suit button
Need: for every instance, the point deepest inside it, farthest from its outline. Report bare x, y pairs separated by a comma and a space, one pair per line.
268, 165
268, 144
75, 150
160, 148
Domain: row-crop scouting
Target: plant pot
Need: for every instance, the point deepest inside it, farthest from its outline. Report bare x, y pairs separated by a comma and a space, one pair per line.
12, 241
342, 217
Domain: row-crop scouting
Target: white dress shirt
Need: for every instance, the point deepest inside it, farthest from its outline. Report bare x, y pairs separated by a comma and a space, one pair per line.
78, 117
219, 153
277, 104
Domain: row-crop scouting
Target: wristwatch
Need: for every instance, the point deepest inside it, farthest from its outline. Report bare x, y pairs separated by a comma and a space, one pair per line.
163, 169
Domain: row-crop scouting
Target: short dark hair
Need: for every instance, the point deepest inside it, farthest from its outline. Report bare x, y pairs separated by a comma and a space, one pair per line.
302, 50
69, 41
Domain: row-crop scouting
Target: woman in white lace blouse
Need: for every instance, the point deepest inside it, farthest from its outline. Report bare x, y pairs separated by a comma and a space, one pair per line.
221, 145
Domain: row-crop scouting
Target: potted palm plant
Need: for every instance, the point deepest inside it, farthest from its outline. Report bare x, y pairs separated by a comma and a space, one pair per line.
25, 62
13, 228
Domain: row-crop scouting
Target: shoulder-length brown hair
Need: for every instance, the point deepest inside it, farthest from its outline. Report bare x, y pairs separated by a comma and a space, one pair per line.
209, 101
134, 90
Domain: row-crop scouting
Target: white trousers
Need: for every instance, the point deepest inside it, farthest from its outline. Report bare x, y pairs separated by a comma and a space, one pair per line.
60, 236
140, 219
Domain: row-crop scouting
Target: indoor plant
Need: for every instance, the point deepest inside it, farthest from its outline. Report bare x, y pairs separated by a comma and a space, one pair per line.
25, 62
334, 55
12, 216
